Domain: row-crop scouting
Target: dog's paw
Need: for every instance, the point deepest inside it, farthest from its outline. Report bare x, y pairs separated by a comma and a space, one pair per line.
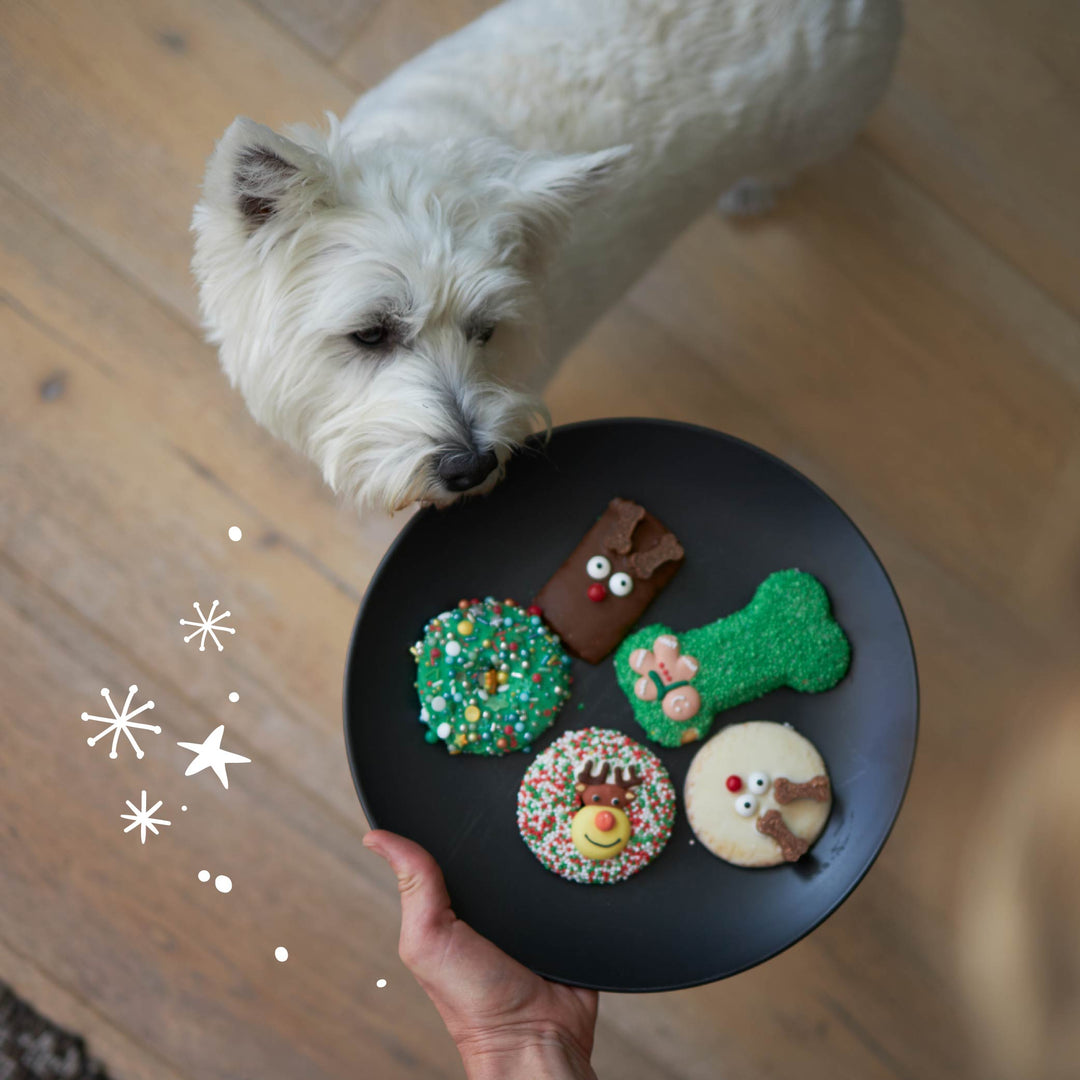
748, 198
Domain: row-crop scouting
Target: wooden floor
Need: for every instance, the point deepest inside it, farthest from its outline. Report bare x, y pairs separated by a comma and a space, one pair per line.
905, 329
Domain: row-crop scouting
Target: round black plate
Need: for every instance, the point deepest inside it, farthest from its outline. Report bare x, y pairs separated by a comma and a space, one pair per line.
740, 513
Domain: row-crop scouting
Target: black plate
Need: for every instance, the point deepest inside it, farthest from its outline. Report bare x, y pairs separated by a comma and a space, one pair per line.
688, 918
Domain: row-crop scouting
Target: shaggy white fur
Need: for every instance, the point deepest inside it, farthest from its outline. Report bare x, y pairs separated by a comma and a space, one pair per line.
391, 295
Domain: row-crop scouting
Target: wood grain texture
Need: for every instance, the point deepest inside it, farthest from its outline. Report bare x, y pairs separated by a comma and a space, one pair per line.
904, 329
325, 26
398, 30
111, 109
818, 316
983, 115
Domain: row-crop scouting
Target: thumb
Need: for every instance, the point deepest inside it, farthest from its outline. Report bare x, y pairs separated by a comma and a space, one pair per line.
425, 903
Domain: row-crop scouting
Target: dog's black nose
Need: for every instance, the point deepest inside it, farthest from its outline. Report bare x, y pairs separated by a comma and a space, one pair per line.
461, 470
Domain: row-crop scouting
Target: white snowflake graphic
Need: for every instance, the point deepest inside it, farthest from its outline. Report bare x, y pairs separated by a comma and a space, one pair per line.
207, 625
141, 819
121, 721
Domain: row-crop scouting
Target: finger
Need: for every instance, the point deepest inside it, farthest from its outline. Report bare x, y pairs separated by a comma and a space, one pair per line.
425, 904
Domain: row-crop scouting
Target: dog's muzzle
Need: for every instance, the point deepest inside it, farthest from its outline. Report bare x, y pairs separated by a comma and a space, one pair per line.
462, 470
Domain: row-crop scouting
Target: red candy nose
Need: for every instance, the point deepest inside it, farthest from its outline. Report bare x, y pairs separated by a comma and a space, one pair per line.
734, 782
596, 591
605, 821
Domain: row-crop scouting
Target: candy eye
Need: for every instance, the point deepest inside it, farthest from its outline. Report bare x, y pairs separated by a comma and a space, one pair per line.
615, 800
758, 783
596, 798
598, 567
621, 584
746, 805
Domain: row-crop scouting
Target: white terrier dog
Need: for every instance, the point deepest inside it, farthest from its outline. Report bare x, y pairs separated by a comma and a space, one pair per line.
391, 296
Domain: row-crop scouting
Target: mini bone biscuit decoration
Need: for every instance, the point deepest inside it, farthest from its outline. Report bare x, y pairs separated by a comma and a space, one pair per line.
785, 636
609, 580
758, 794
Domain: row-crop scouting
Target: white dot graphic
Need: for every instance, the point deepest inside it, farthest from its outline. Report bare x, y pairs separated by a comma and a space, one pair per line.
223, 883
235, 533
234, 696
183, 808
281, 954
380, 983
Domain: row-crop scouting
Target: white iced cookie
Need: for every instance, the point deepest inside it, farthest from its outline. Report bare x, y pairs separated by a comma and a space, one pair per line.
757, 794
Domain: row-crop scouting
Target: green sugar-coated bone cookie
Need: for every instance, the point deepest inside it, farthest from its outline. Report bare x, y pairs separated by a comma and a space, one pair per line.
785, 636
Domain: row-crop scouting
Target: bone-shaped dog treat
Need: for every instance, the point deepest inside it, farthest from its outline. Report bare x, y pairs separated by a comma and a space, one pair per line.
785, 636
624, 517
785, 791
791, 847
666, 550
609, 580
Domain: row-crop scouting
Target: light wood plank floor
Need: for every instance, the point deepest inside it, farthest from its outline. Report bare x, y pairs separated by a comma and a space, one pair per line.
905, 328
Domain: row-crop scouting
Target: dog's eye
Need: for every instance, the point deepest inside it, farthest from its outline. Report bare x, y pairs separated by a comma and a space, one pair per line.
371, 336
482, 334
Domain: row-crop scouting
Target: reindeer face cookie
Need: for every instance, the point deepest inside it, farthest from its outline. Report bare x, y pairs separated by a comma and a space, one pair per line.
600, 828
610, 578
596, 807
758, 794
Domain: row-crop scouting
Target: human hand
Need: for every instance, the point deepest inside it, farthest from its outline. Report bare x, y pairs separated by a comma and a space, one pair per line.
506, 1021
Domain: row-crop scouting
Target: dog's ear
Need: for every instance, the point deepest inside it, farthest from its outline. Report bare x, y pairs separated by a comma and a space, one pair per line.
547, 190
260, 177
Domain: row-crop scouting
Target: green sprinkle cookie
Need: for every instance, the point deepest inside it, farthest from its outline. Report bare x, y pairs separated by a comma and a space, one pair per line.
785, 636
491, 677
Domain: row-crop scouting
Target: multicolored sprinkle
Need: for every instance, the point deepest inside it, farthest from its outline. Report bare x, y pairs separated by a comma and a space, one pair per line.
490, 676
547, 803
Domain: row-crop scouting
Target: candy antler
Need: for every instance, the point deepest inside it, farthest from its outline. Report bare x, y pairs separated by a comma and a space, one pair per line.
666, 549
620, 537
791, 846
592, 773
787, 791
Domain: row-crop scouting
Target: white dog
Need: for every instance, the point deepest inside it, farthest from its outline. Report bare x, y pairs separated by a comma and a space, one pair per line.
391, 296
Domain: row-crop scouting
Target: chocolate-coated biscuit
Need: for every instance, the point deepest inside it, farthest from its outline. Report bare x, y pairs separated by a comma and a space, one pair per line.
609, 580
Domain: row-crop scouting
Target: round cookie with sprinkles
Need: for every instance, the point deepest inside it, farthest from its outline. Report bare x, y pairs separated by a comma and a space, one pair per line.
491, 677
596, 807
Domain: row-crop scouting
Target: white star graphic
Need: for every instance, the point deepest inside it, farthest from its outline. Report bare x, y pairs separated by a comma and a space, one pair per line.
209, 755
